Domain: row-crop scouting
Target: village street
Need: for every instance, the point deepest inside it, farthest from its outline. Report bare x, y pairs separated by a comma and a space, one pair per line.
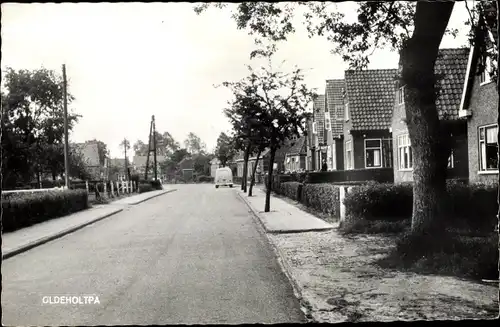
191, 256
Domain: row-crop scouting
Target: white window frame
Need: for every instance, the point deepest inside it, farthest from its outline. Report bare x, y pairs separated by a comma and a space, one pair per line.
451, 160
404, 147
314, 128
379, 148
346, 114
328, 122
485, 77
349, 161
401, 95
481, 152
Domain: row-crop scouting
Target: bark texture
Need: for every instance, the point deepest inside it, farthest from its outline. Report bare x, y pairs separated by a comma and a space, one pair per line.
267, 207
245, 170
429, 141
252, 181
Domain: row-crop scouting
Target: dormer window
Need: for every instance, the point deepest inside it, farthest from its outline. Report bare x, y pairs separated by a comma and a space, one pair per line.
328, 122
485, 77
401, 95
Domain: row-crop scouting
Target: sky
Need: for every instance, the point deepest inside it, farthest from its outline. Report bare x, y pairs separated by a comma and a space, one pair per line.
128, 61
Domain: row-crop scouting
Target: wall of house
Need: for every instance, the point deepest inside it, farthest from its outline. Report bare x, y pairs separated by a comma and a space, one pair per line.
483, 104
358, 144
460, 168
339, 153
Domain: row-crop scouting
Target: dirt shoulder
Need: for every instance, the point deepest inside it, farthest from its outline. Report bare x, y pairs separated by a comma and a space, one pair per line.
341, 283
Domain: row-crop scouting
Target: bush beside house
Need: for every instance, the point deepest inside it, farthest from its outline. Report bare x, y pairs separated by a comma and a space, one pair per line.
26, 209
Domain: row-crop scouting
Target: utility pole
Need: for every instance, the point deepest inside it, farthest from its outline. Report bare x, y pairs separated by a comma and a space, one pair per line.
154, 146
125, 144
152, 137
66, 145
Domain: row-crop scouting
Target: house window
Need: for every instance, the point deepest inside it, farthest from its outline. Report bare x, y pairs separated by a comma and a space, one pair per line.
488, 148
451, 160
328, 122
405, 158
486, 63
401, 95
314, 127
373, 150
349, 155
347, 112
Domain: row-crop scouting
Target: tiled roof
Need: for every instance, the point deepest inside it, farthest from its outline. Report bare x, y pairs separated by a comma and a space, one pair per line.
140, 161
297, 146
335, 104
116, 162
371, 96
319, 115
89, 151
450, 69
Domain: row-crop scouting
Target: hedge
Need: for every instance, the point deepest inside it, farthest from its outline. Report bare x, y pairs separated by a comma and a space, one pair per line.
322, 197
291, 190
472, 206
205, 179
30, 208
145, 187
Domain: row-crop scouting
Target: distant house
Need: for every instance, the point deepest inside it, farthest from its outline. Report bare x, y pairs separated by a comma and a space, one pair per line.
139, 165
368, 106
262, 166
186, 166
450, 68
478, 105
295, 157
214, 165
116, 169
334, 123
318, 140
90, 155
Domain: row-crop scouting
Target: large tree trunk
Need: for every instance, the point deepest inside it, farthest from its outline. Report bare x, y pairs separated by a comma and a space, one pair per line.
245, 169
252, 181
267, 207
428, 140
498, 92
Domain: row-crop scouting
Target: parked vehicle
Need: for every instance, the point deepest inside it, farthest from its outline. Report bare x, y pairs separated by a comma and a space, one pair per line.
223, 177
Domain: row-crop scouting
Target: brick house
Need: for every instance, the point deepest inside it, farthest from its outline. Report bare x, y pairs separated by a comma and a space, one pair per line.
139, 165
186, 167
479, 106
263, 164
317, 133
90, 155
334, 131
368, 107
295, 157
450, 68
116, 169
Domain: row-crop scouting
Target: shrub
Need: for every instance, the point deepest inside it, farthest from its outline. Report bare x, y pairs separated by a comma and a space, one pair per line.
291, 190
31, 208
322, 197
449, 254
145, 187
205, 179
156, 185
373, 201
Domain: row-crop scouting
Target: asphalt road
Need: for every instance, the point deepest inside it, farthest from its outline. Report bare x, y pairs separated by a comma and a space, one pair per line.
192, 256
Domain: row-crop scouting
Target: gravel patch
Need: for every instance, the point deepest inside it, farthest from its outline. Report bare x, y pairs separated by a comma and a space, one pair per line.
341, 283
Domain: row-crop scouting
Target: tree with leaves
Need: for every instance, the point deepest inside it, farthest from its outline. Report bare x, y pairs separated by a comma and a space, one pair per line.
415, 30
32, 123
278, 104
224, 150
194, 144
125, 144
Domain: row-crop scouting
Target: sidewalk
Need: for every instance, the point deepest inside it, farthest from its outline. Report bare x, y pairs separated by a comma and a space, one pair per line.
283, 217
24, 239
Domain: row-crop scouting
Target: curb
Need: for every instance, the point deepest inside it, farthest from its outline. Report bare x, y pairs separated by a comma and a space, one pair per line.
154, 196
47, 239
281, 258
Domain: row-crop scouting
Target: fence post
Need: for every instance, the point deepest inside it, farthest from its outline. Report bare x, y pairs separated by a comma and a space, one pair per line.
105, 188
87, 186
342, 192
112, 189
132, 186
117, 188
